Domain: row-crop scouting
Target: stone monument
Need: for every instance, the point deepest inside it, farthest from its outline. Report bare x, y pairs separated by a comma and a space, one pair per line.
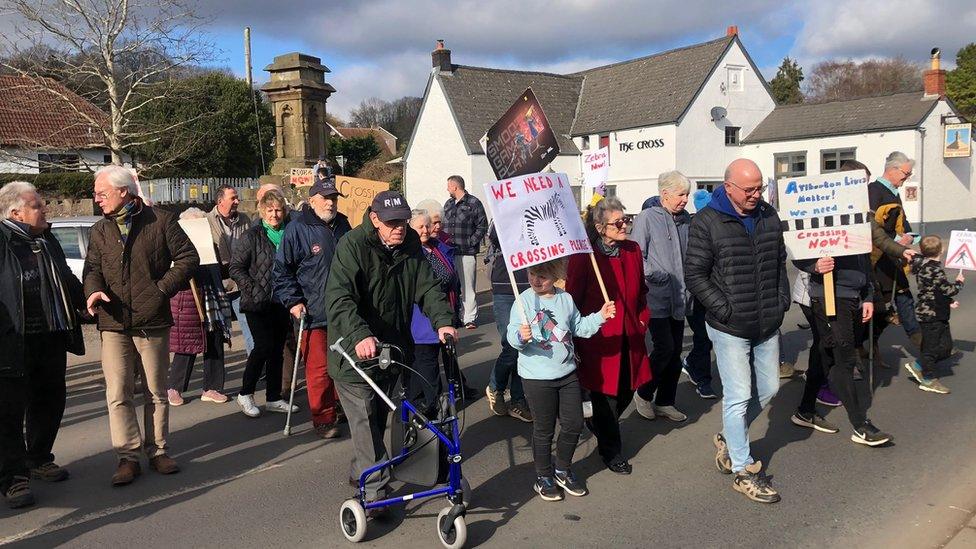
298, 93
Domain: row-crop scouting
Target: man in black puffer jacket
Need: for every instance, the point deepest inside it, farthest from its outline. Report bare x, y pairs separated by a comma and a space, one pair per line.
736, 267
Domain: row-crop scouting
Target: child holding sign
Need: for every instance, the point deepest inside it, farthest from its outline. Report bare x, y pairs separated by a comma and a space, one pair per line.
935, 294
547, 366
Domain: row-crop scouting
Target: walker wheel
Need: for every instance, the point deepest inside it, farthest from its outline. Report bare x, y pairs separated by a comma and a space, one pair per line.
457, 535
352, 520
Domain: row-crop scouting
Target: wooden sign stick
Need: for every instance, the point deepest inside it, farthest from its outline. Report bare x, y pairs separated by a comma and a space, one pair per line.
829, 301
196, 298
518, 296
599, 278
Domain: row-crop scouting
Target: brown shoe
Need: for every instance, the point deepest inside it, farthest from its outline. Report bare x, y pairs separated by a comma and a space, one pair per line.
164, 465
126, 472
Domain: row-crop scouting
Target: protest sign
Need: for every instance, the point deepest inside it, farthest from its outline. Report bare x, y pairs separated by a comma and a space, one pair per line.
959, 254
198, 230
825, 216
301, 177
596, 167
359, 195
536, 219
522, 141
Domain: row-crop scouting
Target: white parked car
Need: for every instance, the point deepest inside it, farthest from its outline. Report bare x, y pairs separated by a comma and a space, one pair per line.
73, 234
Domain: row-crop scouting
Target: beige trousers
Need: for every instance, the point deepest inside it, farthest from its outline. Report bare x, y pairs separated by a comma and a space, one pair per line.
122, 354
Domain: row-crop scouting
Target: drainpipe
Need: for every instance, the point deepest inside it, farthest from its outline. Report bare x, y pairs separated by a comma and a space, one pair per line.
921, 184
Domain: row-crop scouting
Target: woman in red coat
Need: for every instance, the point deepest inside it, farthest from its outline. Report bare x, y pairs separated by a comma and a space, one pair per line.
613, 363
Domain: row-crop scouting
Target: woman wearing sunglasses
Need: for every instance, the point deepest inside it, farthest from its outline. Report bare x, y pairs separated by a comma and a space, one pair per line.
613, 363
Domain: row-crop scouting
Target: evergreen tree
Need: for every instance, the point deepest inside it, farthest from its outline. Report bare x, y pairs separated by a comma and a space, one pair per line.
961, 82
786, 84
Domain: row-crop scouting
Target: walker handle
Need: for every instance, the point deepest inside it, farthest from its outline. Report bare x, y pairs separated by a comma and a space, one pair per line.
337, 347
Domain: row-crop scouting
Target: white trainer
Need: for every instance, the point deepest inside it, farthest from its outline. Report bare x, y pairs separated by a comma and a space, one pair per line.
644, 407
669, 412
279, 406
246, 402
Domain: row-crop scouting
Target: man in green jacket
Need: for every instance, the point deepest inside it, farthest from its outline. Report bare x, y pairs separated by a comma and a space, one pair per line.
378, 273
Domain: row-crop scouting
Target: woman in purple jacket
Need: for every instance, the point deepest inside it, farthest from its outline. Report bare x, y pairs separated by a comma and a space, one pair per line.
423, 386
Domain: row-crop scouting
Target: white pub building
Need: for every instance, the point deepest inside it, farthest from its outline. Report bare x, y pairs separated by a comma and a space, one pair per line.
694, 109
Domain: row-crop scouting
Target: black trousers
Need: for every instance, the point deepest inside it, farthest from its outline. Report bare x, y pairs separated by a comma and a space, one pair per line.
936, 345
699, 358
605, 422
269, 330
838, 336
816, 376
550, 399
181, 369
666, 338
423, 386
34, 401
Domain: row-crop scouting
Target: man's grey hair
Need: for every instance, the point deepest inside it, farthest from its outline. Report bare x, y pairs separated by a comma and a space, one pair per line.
12, 196
673, 181
118, 177
897, 159
193, 213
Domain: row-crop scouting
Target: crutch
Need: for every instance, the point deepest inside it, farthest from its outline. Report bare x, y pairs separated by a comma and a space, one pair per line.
294, 372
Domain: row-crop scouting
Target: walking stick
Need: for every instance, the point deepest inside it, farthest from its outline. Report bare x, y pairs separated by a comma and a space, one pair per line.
294, 373
871, 354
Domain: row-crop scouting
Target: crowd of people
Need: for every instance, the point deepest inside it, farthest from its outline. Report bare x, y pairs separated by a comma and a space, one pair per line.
579, 338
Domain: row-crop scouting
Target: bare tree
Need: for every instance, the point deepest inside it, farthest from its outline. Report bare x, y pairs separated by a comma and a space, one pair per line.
120, 55
839, 80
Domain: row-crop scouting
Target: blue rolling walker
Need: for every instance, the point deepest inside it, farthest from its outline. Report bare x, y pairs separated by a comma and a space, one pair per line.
427, 443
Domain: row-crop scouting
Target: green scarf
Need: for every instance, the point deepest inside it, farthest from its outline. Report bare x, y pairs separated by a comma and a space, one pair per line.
274, 235
123, 218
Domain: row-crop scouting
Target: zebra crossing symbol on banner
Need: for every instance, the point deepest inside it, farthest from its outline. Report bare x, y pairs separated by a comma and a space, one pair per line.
825, 215
959, 254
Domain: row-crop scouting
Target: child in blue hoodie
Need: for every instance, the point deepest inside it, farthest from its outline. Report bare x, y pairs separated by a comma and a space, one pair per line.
547, 366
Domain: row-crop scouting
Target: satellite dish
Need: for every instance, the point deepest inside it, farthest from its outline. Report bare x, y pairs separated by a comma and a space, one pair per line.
718, 113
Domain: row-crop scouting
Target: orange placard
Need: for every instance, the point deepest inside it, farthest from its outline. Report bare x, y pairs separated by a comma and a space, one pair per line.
359, 195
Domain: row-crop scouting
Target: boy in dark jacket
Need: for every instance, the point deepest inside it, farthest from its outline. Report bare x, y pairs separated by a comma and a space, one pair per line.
935, 294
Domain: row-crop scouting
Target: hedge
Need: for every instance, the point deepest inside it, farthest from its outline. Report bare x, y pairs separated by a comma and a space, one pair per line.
56, 185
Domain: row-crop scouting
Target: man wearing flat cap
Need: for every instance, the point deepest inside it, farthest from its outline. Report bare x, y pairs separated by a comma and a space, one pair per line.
378, 273
301, 268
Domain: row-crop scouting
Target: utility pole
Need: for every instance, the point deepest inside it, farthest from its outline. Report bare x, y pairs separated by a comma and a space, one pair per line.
247, 56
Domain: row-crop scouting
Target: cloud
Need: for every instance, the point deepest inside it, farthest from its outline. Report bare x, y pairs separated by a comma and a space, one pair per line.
908, 28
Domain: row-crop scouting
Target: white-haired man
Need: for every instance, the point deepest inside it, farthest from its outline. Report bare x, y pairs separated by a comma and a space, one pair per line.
40, 300
138, 257
885, 202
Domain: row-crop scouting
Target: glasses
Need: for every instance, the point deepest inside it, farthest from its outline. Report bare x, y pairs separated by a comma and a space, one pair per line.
100, 196
755, 190
619, 224
906, 174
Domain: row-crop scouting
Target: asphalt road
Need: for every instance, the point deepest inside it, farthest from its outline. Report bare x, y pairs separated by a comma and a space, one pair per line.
244, 484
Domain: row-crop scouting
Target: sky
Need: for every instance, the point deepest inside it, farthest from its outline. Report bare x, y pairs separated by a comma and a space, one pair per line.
381, 48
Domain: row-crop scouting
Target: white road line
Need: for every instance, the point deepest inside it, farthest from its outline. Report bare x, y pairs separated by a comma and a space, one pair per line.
47, 529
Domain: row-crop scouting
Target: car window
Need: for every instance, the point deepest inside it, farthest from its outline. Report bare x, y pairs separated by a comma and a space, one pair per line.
68, 237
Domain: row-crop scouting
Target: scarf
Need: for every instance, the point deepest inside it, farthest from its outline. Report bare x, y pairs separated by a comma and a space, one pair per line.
58, 314
216, 305
609, 250
274, 235
123, 218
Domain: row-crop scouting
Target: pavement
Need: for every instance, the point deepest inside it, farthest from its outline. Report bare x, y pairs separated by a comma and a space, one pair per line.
245, 484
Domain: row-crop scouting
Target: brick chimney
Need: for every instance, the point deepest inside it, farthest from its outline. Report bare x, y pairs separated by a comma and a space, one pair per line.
934, 78
733, 30
441, 58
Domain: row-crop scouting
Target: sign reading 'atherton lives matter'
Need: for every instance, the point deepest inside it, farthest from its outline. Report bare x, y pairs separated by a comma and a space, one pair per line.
825, 215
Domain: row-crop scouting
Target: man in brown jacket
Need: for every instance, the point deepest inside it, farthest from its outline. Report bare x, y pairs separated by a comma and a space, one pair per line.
138, 257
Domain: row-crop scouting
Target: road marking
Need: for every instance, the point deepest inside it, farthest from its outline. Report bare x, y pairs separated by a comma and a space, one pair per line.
48, 529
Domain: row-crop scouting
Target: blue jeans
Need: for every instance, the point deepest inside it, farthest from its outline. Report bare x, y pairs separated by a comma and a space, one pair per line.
905, 304
506, 365
734, 368
242, 320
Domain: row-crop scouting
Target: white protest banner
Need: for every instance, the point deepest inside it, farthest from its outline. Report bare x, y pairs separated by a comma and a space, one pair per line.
825, 215
959, 254
823, 195
301, 177
536, 219
198, 230
596, 167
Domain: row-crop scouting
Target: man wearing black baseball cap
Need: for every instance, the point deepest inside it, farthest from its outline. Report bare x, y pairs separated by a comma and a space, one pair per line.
301, 268
379, 272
